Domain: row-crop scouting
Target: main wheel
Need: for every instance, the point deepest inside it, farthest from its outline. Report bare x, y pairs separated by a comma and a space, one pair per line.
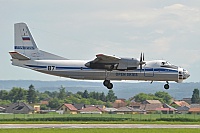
106, 82
110, 86
166, 86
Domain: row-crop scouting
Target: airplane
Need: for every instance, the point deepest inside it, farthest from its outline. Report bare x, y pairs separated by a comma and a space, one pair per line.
104, 67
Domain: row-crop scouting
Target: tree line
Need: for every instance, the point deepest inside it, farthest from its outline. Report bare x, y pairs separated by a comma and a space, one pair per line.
164, 97
55, 98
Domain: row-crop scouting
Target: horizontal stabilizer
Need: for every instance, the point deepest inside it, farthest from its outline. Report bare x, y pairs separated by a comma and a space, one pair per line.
16, 55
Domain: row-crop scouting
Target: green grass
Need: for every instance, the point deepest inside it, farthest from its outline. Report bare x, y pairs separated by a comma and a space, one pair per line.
131, 116
124, 119
100, 122
99, 130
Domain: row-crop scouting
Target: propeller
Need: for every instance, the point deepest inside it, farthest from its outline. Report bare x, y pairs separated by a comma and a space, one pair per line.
141, 61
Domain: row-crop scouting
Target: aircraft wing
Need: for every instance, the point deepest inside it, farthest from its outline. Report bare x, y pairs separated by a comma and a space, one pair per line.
109, 62
103, 61
104, 57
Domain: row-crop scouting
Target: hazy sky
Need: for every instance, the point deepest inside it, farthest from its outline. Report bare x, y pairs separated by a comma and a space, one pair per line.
80, 29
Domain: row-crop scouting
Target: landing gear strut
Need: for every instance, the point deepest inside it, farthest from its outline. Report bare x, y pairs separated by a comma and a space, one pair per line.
166, 86
108, 84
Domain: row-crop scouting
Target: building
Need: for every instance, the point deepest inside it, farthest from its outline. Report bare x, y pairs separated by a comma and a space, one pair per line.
36, 108
99, 106
110, 110
67, 109
183, 109
179, 104
19, 108
92, 110
79, 106
194, 108
119, 103
128, 110
135, 105
151, 106
2, 109
167, 109
151, 102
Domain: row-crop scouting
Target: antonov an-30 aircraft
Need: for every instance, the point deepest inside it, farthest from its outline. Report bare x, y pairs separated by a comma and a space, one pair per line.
104, 67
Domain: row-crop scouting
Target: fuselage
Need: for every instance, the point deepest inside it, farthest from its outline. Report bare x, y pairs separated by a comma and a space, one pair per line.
156, 70
26, 54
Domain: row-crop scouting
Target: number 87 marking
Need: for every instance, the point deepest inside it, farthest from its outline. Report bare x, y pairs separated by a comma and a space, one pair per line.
51, 68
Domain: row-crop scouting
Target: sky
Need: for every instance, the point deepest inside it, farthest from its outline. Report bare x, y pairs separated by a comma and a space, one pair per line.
80, 29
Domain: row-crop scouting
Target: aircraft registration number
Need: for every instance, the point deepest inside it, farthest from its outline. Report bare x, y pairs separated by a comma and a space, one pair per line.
126, 74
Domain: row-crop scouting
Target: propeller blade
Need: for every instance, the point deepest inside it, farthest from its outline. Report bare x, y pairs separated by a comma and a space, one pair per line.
143, 56
141, 62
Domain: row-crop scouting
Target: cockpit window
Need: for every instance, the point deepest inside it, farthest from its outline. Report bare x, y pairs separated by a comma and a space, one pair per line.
165, 63
168, 65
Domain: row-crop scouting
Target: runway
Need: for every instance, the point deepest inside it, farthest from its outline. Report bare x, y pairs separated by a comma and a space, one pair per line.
7, 126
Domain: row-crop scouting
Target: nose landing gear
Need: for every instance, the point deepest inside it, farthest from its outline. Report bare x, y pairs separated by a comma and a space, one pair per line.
166, 86
108, 84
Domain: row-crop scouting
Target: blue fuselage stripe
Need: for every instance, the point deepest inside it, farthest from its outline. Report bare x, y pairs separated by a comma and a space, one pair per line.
71, 68
85, 68
34, 66
76, 68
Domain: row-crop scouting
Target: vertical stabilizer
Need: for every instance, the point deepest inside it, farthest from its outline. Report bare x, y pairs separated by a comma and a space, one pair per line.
25, 44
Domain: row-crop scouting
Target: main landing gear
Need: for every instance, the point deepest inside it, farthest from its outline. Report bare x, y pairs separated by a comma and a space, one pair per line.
166, 86
108, 84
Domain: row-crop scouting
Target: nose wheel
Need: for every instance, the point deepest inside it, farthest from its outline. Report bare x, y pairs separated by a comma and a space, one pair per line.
108, 84
166, 86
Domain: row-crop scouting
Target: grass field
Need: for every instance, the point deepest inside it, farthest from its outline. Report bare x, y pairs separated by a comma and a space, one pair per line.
99, 130
99, 119
131, 116
100, 122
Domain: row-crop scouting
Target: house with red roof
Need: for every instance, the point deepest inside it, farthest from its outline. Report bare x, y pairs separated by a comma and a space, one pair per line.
179, 104
167, 109
67, 109
194, 109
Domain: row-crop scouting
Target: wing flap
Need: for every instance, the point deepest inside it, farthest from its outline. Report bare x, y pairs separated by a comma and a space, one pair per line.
16, 55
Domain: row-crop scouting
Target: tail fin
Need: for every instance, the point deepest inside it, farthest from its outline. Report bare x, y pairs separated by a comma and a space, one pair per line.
25, 44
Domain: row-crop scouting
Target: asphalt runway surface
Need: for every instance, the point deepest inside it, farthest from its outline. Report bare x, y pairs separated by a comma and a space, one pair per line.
6, 126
